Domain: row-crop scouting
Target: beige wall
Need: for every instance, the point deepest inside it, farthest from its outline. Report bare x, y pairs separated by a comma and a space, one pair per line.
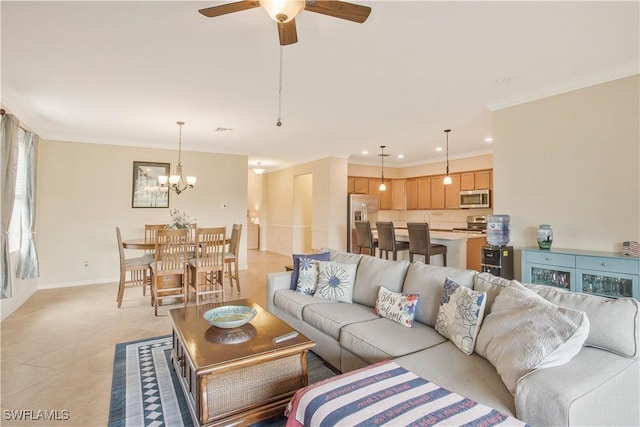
84, 192
571, 161
329, 201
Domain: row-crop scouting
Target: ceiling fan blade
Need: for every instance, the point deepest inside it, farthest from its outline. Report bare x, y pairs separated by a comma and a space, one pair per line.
238, 6
287, 32
339, 9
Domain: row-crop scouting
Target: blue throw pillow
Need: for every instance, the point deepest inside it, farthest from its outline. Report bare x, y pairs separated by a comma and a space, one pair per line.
324, 256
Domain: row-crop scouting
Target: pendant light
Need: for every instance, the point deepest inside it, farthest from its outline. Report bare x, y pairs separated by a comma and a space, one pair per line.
382, 187
177, 182
447, 178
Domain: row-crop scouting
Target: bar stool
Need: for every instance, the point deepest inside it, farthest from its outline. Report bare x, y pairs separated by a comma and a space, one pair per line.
365, 238
420, 243
387, 240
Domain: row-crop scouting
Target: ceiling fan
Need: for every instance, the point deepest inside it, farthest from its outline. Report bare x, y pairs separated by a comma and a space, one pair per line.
284, 12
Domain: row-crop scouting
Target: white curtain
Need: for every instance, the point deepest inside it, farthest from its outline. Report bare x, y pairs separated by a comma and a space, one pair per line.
8, 171
28, 266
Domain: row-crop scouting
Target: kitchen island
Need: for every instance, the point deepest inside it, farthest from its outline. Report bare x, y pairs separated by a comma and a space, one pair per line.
463, 249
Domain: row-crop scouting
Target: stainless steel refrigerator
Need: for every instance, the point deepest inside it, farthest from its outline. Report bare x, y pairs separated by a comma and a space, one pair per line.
361, 207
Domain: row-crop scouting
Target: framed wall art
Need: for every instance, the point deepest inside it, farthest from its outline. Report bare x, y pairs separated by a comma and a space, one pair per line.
146, 191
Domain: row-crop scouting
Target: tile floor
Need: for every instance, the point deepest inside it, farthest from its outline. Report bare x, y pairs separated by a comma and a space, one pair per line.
57, 349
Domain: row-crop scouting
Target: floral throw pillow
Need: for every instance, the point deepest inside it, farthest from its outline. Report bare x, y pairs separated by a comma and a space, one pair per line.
335, 281
460, 315
395, 306
307, 276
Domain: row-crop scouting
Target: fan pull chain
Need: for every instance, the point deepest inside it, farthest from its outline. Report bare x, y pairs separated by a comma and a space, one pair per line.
279, 121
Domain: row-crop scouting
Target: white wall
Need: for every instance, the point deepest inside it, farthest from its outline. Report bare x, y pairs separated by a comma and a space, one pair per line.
571, 161
329, 201
84, 192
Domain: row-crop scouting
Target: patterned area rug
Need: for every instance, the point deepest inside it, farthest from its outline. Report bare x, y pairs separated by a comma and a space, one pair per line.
145, 391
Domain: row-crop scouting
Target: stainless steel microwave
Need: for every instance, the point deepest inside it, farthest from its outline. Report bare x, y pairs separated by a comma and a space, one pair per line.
471, 199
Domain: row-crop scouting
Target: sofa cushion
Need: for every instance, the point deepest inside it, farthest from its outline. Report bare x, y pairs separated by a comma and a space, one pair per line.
395, 306
375, 272
307, 276
492, 285
470, 376
427, 280
613, 323
460, 315
343, 257
330, 318
524, 332
335, 281
296, 265
382, 339
292, 302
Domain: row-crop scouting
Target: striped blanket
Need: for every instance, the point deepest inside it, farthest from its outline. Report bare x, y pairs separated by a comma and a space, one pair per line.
387, 394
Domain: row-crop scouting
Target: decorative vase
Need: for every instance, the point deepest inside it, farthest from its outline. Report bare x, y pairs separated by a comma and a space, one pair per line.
545, 236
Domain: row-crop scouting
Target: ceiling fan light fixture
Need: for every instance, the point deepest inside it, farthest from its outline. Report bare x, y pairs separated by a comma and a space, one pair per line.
283, 10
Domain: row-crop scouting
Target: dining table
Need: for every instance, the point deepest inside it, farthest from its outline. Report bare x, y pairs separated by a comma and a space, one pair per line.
143, 244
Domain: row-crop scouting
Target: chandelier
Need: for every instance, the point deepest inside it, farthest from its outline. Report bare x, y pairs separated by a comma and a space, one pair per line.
258, 170
177, 182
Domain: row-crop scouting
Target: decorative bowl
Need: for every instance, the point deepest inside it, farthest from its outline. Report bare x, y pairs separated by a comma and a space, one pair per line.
230, 316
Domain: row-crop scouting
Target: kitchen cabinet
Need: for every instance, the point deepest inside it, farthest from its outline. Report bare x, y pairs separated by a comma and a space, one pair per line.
599, 273
398, 194
357, 185
476, 180
437, 192
418, 193
411, 188
452, 192
474, 253
361, 185
386, 197
374, 183
424, 193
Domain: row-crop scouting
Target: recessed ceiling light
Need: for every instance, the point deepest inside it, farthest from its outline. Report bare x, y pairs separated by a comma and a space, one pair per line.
401, 156
365, 152
439, 148
488, 139
220, 129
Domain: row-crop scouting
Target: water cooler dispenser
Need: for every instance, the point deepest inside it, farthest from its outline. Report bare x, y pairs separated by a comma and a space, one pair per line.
497, 258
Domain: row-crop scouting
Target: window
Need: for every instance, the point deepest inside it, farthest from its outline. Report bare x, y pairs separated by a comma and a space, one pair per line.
15, 226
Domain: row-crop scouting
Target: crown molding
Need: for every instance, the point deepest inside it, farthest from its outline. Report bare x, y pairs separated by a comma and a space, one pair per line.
593, 79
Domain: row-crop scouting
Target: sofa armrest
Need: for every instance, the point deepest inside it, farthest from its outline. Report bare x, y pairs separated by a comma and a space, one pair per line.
596, 387
275, 282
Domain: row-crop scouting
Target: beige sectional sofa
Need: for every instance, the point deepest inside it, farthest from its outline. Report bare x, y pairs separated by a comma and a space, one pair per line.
600, 385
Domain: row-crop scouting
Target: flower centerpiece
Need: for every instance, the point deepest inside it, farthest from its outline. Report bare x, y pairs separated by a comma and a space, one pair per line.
179, 220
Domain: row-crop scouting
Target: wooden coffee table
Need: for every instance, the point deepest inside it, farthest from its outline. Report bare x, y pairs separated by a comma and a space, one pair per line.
236, 376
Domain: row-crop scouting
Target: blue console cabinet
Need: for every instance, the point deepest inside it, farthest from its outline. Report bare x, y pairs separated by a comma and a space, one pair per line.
599, 273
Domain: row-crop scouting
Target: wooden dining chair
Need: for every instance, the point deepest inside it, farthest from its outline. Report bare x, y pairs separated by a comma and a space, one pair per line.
232, 255
150, 236
387, 240
420, 243
169, 268
364, 238
207, 267
138, 269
